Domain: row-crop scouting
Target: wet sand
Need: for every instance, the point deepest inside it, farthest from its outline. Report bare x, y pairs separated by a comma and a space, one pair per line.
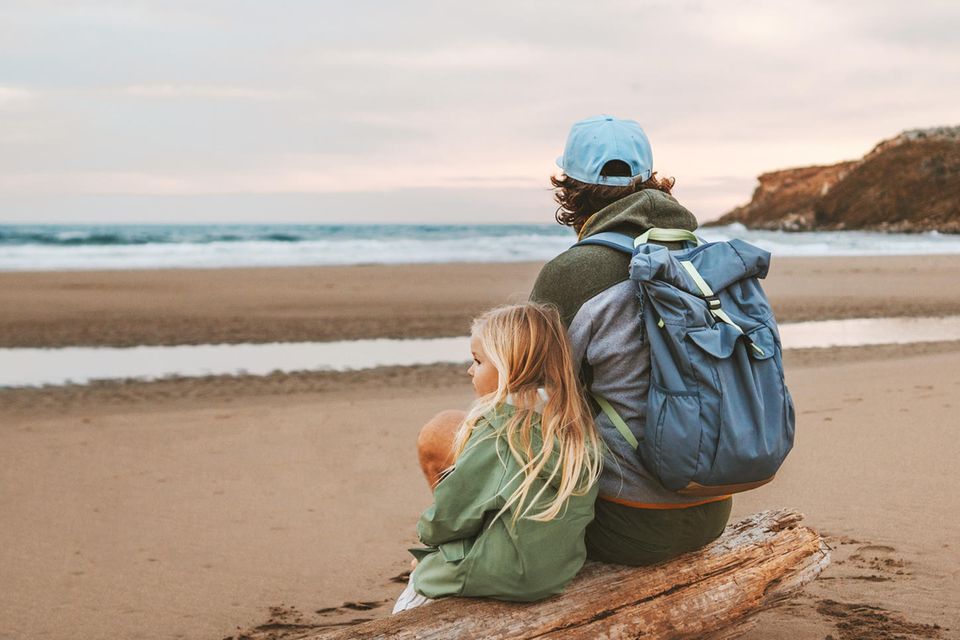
193, 306
203, 508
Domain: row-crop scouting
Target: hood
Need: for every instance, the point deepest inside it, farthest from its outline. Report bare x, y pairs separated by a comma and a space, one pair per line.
638, 212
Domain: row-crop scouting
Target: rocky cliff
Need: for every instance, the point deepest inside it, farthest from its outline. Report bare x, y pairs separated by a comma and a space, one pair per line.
908, 183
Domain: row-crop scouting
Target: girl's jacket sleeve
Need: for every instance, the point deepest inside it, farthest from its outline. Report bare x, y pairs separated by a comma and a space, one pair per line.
462, 499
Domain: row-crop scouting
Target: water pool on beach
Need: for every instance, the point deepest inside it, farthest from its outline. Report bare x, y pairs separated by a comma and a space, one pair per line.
35, 367
79, 365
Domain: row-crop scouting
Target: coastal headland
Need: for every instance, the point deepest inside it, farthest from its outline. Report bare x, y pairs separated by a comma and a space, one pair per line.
908, 183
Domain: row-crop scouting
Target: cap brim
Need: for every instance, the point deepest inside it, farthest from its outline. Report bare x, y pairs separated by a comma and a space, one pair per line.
560, 161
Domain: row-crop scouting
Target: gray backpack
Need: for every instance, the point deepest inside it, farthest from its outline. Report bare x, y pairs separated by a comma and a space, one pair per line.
719, 416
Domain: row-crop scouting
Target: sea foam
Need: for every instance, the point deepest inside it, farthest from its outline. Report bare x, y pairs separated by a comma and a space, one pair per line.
83, 247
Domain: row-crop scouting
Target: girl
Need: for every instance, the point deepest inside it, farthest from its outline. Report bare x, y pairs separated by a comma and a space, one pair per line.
509, 516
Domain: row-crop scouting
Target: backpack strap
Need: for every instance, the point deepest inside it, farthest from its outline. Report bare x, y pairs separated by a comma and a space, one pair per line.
713, 302
618, 241
625, 243
617, 421
667, 235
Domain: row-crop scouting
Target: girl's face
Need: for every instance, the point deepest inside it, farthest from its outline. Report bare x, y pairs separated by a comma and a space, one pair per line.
485, 375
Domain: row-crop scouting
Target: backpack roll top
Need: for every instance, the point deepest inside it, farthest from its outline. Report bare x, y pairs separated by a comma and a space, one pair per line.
722, 263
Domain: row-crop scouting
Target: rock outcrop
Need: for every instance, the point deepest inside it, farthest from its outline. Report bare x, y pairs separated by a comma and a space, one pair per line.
909, 183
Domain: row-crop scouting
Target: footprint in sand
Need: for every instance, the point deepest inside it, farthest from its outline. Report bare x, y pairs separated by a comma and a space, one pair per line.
362, 605
877, 547
288, 621
401, 578
858, 621
878, 558
866, 562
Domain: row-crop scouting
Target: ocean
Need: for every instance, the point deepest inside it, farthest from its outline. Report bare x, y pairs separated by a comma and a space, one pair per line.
83, 247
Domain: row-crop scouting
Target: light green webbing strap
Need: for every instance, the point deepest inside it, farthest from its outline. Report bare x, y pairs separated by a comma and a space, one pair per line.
714, 304
667, 235
707, 292
617, 421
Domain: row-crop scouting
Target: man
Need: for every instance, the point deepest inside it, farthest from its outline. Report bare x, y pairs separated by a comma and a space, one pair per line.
608, 184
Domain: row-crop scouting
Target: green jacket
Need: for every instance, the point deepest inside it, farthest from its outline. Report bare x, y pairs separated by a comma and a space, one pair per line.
472, 554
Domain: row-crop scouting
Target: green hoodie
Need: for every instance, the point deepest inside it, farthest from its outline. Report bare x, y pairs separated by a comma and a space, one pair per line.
473, 553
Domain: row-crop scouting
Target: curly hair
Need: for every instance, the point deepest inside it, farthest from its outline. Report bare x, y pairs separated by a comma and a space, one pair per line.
579, 200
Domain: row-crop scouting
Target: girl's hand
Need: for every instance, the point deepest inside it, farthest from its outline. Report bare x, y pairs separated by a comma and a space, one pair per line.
413, 564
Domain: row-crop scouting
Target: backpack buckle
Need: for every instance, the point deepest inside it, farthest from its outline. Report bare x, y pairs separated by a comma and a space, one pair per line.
713, 302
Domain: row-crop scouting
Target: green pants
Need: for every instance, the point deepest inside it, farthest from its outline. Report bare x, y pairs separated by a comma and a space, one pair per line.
627, 535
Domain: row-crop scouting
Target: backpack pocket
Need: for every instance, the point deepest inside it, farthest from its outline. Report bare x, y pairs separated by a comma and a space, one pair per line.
753, 433
673, 450
774, 389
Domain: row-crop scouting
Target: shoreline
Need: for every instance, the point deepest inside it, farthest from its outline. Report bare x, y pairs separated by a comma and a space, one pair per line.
319, 304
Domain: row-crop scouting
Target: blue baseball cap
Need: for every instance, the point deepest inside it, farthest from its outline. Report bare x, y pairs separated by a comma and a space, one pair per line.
593, 142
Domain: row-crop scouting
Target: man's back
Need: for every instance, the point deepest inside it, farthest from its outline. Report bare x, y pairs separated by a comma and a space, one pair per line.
599, 305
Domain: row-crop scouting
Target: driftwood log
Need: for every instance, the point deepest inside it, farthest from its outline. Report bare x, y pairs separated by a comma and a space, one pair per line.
711, 593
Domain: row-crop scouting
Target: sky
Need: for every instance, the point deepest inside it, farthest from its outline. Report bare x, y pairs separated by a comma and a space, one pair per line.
371, 112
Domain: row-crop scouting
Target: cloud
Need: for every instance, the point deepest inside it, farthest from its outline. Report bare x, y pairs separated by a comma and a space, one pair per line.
176, 99
295, 174
15, 97
410, 205
213, 92
487, 56
87, 182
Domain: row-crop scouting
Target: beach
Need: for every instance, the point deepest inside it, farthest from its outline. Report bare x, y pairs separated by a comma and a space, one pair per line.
196, 306
214, 507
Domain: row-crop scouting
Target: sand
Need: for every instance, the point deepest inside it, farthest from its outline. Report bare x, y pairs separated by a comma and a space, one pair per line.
200, 508
122, 308
193, 306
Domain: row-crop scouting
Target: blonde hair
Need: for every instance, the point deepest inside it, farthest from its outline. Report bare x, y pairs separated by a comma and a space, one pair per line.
527, 344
